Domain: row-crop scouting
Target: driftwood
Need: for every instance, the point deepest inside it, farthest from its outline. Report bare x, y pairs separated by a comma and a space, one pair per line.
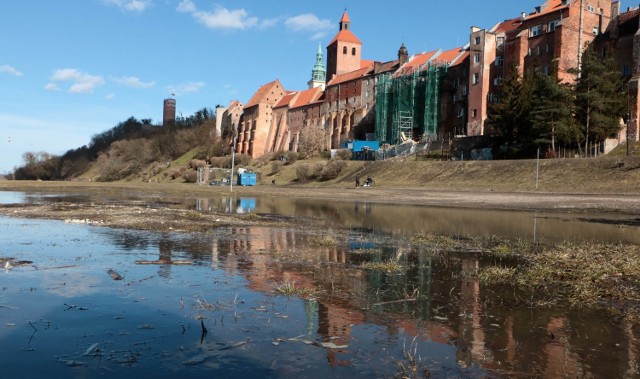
163, 262
114, 274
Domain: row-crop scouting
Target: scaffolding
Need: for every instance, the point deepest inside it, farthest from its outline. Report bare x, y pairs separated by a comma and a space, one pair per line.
407, 107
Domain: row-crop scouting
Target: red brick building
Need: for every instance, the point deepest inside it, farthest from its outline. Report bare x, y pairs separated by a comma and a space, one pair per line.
553, 36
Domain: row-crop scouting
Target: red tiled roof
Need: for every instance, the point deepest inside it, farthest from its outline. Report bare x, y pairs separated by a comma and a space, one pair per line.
365, 63
233, 104
548, 7
345, 36
345, 17
449, 55
461, 59
507, 25
414, 63
307, 97
257, 97
286, 99
350, 75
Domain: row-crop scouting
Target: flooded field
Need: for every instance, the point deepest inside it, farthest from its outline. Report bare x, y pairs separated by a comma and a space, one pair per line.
260, 301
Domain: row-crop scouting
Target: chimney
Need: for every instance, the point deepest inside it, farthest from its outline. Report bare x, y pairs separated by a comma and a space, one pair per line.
523, 15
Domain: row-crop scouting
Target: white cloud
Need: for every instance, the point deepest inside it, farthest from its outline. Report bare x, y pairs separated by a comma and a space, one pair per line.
133, 82
182, 89
131, 5
52, 87
81, 82
10, 70
307, 22
186, 6
222, 18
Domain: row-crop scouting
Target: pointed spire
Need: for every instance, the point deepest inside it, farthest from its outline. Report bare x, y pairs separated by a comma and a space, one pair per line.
319, 73
345, 21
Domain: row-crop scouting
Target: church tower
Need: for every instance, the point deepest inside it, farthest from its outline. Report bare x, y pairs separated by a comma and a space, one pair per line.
344, 51
318, 74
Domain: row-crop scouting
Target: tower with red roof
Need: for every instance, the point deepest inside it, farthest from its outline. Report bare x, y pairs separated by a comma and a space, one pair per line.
344, 52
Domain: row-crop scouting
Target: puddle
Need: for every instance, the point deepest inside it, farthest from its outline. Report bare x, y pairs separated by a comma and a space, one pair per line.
64, 315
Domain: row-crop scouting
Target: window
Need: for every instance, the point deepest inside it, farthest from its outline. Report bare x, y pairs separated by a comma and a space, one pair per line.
552, 25
539, 50
477, 40
461, 112
497, 80
474, 113
455, 97
476, 58
476, 78
344, 50
547, 48
499, 61
547, 70
626, 70
464, 90
353, 51
591, 9
530, 52
535, 30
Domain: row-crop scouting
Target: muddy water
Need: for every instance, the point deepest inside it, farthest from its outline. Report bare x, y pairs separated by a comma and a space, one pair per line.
63, 315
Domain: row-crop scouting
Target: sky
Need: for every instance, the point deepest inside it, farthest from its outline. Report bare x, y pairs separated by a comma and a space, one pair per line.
70, 69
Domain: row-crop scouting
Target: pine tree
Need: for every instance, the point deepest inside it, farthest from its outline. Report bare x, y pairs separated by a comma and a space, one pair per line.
600, 100
551, 112
507, 118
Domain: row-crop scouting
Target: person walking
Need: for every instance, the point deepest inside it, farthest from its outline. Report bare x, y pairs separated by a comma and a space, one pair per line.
357, 180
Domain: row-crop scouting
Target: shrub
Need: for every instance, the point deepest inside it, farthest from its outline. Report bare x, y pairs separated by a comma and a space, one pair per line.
344, 154
303, 172
326, 154
332, 169
190, 176
197, 163
311, 141
175, 174
275, 167
292, 156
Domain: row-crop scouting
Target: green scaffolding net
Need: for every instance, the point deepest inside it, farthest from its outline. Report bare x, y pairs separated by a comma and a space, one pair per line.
407, 107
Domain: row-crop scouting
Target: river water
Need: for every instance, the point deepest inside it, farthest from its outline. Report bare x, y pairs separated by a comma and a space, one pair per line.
63, 315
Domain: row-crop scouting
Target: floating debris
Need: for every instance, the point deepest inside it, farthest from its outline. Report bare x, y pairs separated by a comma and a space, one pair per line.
146, 326
114, 274
163, 262
92, 350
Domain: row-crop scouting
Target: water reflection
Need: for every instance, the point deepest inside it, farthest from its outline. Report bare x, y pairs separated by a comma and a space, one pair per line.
369, 316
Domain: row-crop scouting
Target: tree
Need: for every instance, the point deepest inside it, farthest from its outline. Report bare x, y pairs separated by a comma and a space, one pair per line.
551, 113
600, 100
311, 142
507, 118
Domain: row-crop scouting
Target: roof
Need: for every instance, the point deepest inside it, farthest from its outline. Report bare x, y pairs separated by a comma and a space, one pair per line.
549, 6
461, 58
365, 63
449, 55
350, 75
345, 17
307, 97
414, 63
233, 105
286, 100
259, 95
507, 25
345, 36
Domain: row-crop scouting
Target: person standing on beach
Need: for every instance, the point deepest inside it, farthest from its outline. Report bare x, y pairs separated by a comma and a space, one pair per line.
357, 180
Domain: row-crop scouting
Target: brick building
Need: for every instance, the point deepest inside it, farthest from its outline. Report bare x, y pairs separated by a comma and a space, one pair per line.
622, 39
256, 120
553, 37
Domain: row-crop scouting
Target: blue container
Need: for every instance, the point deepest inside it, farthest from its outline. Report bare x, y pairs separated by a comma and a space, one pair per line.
247, 179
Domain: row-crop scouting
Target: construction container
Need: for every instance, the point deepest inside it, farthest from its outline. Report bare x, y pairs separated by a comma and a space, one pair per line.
247, 179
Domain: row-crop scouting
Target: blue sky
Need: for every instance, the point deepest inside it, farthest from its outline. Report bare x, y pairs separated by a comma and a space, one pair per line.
70, 69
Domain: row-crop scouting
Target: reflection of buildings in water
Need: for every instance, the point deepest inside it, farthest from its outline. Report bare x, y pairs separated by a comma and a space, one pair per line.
165, 247
227, 205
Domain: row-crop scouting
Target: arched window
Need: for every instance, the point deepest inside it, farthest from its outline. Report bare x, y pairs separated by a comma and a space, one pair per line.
344, 50
353, 51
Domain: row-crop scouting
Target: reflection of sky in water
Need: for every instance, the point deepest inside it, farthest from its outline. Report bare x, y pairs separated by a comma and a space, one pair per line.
9, 197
